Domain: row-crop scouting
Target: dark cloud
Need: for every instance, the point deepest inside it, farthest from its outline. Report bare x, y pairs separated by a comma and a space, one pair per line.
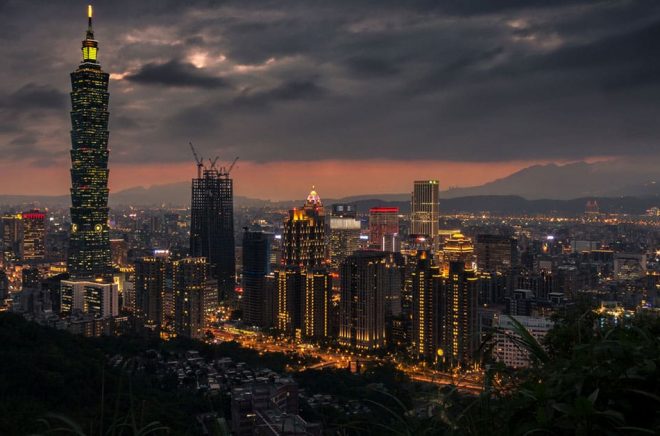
176, 73
289, 91
370, 67
35, 96
476, 80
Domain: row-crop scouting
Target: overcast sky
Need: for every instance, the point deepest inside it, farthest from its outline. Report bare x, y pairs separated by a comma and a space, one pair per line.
353, 96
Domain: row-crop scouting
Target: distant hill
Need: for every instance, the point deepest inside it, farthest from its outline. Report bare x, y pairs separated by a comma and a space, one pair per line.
573, 180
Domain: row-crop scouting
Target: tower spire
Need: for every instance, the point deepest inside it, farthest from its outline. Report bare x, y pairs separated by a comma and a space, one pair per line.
90, 31
89, 46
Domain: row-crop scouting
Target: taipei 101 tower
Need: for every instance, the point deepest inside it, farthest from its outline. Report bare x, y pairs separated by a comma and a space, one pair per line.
89, 244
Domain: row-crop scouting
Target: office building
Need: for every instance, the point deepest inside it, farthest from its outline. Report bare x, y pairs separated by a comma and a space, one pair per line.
256, 268
119, 252
99, 299
384, 228
89, 243
34, 235
195, 295
12, 238
495, 253
343, 238
424, 210
212, 226
362, 304
303, 254
304, 234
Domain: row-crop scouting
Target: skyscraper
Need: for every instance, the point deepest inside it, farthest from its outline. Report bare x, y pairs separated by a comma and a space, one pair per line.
362, 307
426, 281
89, 244
212, 226
317, 304
383, 228
459, 338
303, 252
343, 238
150, 291
457, 248
34, 235
256, 266
12, 238
195, 295
304, 234
424, 208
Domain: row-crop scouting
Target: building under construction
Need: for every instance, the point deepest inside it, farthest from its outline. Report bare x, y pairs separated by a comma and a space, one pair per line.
212, 223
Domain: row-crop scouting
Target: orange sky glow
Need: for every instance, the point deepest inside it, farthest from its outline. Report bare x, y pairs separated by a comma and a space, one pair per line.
275, 180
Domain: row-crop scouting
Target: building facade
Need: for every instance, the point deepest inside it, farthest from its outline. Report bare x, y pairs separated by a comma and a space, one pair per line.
384, 228
424, 210
459, 336
34, 235
362, 305
256, 268
426, 283
212, 227
89, 243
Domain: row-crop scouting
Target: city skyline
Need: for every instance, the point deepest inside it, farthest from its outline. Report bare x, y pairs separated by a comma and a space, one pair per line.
244, 87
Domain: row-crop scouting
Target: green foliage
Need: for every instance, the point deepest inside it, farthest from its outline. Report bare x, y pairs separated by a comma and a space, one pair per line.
586, 381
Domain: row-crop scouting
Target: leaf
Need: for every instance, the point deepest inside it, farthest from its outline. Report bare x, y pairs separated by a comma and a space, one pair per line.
594, 395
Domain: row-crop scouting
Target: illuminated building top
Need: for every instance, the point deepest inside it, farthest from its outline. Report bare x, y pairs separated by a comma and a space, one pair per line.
313, 198
90, 46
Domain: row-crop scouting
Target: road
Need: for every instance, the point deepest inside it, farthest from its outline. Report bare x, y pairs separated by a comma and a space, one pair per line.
329, 357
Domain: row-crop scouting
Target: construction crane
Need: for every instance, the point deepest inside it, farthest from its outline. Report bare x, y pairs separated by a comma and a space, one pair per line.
200, 162
225, 171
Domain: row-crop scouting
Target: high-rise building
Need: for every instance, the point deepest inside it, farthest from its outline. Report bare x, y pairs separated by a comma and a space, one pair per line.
457, 248
150, 291
362, 306
495, 253
459, 336
34, 235
195, 295
89, 243
212, 226
343, 238
12, 238
304, 234
303, 254
384, 228
119, 252
426, 283
317, 304
290, 286
424, 211
256, 268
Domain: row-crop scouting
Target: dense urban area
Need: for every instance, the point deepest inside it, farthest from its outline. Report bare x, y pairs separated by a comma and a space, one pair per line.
311, 317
